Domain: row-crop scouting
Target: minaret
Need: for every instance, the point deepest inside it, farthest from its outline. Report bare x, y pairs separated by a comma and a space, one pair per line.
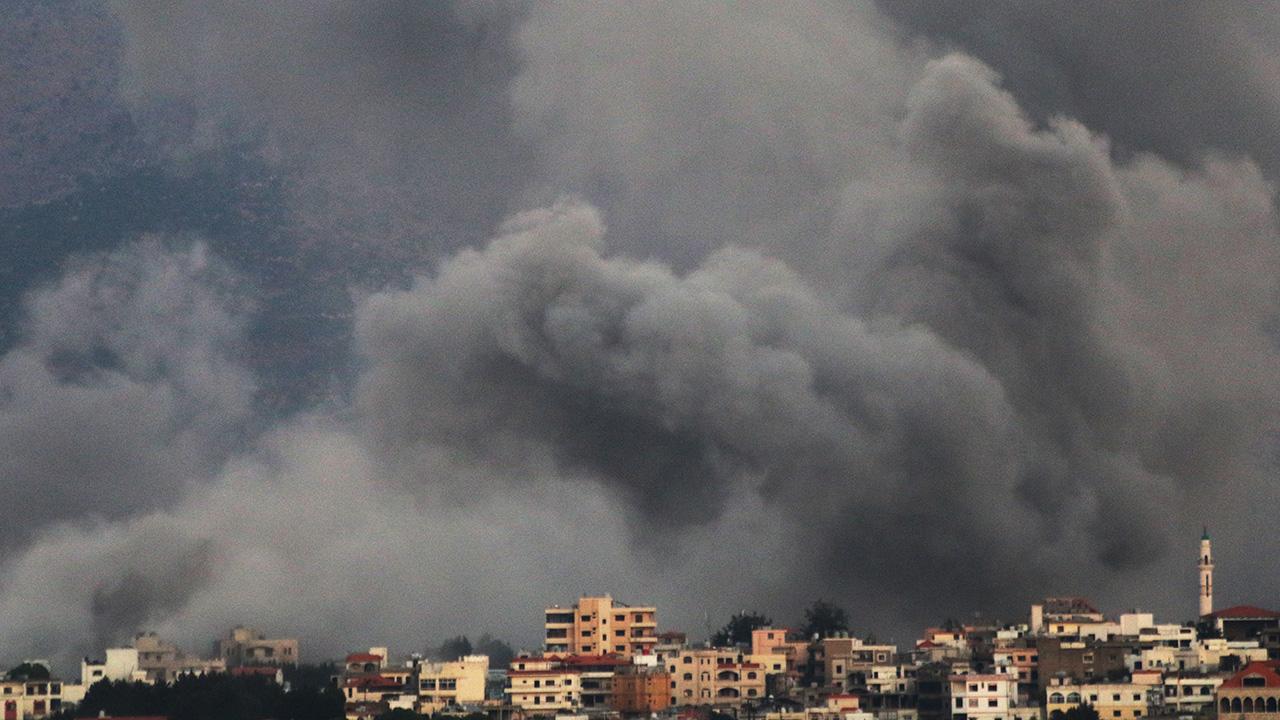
1206, 575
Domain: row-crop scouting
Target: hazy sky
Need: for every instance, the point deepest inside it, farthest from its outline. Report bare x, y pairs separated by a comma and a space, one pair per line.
380, 322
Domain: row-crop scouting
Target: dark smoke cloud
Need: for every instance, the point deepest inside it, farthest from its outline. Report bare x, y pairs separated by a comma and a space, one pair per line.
860, 326
1183, 80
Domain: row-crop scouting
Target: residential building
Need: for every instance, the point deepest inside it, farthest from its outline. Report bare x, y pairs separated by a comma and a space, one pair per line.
542, 686
247, 646
1241, 622
1064, 616
1189, 693
1253, 693
1022, 663
988, 697
120, 664
1112, 701
641, 691
439, 685
164, 662
720, 676
1080, 660
839, 656
599, 625
26, 698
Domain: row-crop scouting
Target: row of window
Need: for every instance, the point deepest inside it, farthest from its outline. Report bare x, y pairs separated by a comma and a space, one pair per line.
442, 684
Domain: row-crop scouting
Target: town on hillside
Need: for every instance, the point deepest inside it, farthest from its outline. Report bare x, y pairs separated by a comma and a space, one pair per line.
604, 659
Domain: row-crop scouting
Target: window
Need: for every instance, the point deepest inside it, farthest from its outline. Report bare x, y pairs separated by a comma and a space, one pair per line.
1115, 713
751, 676
427, 684
688, 676
620, 648
537, 700
993, 703
687, 660
448, 683
586, 633
959, 703
537, 683
619, 618
586, 618
620, 633
673, 682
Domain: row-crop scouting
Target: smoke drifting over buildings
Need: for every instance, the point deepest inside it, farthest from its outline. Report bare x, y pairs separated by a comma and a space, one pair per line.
746, 302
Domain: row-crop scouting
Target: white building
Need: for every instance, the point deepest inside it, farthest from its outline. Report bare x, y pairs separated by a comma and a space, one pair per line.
988, 697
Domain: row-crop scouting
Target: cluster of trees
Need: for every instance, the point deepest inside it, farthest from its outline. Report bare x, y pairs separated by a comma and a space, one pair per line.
219, 697
500, 653
822, 618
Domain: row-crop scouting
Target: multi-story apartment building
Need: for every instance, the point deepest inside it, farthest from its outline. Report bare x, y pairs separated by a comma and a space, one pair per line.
1022, 663
25, 699
1080, 660
247, 646
838, 657
439, 685
1188, 693
641, 691
599, 625
164, 662
1112, 701
787, 643
719, 676
120, 664
988, 697
543, 686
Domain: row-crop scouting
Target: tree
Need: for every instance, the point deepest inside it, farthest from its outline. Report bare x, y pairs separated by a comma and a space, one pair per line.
738, 630
29, 671
454, 648
400, 714
500, 654
1079, 712
825, 619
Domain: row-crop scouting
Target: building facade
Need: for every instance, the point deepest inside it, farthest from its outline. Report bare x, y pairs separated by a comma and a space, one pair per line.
599, 625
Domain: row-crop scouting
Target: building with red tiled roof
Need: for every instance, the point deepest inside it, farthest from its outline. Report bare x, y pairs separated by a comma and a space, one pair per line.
1253, 692
1242, 622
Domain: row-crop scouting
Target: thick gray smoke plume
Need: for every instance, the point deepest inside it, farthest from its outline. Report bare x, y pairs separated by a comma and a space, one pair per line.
925, 315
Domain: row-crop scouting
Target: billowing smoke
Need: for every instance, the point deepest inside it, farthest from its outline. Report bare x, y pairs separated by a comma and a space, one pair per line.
791, 304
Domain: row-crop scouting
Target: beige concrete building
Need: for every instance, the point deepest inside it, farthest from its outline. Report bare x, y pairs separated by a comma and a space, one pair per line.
164, 662
838, 657
600, 625
26, 699
719, 676
1112, 701
542, 686
988, 697
247, 646
444, 684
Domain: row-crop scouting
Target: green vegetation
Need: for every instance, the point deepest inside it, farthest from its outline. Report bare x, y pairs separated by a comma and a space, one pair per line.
28, 671
738, 630
825, 619
215, 697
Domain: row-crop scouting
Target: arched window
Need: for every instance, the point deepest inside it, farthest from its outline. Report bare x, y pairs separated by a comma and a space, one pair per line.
1225, 706
1271, 705
1055, 698
1073, 697
688, 676
1248, 705
751, 675
1235, 704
